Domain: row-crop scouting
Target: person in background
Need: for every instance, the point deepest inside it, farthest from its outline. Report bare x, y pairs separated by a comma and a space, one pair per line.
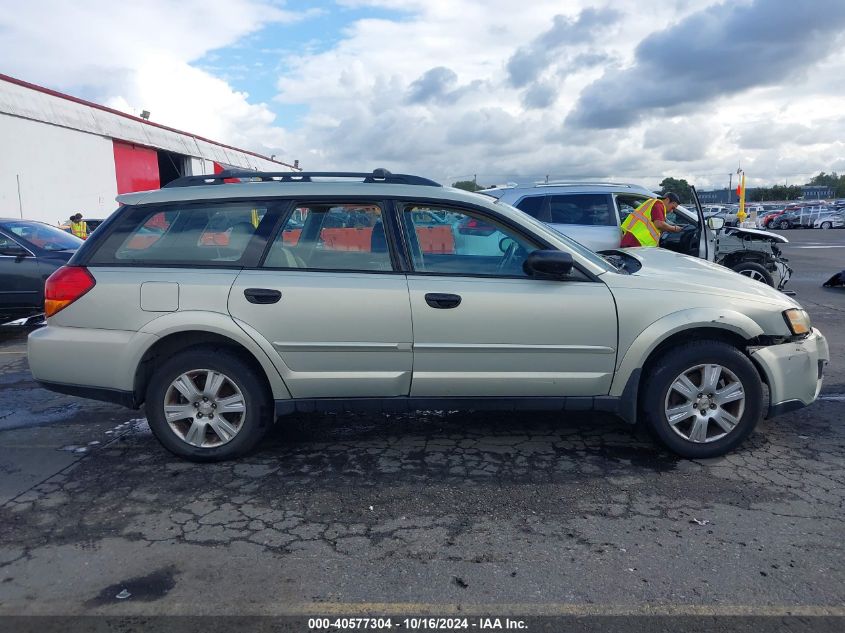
645, 223
78, 227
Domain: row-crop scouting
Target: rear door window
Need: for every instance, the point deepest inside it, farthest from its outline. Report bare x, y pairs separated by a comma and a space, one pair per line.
333, 236
204, 234
589, 209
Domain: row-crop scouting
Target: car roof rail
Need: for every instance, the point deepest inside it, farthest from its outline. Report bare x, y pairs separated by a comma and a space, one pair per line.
377, 176
573, 183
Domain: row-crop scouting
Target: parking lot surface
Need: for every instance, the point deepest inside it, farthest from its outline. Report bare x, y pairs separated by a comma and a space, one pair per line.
435, 512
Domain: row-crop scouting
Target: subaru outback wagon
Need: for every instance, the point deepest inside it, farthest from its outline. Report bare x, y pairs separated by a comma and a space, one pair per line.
220, 306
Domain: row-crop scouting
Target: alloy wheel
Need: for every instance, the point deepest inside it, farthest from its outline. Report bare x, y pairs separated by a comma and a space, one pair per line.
705, 403
753, 274
204, 408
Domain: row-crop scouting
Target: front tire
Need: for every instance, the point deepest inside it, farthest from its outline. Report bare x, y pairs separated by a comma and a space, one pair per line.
702, 399
783, 224
827, 225
754, 271
207, 405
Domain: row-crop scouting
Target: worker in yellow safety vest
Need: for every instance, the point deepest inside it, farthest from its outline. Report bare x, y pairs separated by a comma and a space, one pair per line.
78, 227
645, 223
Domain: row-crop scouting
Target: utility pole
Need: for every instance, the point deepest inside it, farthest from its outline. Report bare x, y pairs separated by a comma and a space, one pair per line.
730, 186
20, 201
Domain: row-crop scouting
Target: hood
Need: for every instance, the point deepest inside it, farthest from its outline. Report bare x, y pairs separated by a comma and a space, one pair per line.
663, 269
756, 234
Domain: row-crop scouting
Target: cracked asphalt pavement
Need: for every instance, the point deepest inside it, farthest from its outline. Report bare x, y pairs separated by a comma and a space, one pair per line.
433, 512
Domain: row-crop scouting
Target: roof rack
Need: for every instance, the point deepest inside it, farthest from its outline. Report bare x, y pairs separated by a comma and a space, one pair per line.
378, 176
570, 183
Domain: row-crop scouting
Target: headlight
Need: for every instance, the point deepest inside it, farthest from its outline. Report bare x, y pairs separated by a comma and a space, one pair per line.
798, 321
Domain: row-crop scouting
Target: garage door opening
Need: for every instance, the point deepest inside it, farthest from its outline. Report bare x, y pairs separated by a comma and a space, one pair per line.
171, 166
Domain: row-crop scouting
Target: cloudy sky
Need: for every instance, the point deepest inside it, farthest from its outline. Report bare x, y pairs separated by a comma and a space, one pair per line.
630, 90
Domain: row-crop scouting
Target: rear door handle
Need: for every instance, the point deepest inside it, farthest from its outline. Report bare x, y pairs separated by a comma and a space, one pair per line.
262, 295
442, 301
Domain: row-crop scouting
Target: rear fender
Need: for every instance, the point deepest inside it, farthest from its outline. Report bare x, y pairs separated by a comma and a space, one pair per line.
224, 325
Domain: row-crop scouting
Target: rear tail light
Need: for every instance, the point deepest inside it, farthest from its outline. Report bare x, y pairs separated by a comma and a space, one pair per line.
65, 286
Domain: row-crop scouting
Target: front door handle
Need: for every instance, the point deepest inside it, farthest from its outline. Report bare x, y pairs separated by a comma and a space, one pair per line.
262, 295
442, 301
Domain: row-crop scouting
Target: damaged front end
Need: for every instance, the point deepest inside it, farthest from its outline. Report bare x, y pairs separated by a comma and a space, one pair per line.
744, 249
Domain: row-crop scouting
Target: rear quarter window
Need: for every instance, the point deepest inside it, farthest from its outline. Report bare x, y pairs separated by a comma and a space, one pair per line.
201, 234
582, 209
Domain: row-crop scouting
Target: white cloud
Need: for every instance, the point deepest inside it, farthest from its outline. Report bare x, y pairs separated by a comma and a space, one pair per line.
222, 113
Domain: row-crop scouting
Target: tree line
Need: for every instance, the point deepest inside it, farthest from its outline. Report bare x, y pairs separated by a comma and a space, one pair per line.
763, 194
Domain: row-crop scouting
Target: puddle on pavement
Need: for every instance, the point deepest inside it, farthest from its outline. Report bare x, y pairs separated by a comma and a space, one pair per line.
147, 588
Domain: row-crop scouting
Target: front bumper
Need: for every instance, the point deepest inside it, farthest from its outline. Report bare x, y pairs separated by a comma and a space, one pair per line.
794, 371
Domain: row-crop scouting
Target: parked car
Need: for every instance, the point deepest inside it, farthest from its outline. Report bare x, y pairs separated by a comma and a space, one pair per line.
832, 221
805, 217
29, 253
765, 221
216, 343
592, 214
801, 218
786, 220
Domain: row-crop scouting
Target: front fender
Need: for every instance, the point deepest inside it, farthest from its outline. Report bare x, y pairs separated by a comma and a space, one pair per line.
216, 323
694, 318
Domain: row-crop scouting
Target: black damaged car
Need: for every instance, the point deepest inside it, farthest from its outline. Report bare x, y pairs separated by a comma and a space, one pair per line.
29, 253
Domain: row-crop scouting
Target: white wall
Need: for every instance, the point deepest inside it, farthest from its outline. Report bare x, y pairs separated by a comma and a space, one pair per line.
27, 103
61, 171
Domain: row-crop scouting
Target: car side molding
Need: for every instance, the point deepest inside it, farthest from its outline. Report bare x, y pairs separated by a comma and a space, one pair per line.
623, 407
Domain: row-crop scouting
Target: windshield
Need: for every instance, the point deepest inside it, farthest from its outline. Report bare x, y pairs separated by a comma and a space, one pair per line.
579, 248
43, 236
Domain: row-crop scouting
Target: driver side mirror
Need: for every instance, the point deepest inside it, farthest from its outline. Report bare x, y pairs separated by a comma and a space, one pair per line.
548, 264
715, 223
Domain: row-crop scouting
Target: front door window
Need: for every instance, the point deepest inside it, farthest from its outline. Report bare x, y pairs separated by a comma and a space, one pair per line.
467, 243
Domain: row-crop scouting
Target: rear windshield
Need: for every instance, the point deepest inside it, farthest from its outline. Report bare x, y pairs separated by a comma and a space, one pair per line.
43, 236
209, 235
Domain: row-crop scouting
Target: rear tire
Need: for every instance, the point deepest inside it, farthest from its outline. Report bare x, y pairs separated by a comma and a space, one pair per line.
701, 427
754, 271
783, 224
218, 407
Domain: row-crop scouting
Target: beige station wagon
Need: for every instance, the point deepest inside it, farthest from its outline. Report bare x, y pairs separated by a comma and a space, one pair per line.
221, 306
